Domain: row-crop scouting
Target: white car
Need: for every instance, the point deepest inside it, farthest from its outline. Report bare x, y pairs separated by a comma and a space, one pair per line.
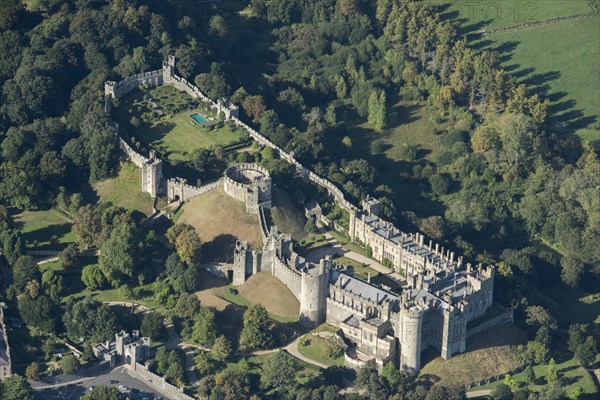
123, 387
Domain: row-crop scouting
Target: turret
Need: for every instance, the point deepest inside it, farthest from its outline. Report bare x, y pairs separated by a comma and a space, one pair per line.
313, 293
411, 330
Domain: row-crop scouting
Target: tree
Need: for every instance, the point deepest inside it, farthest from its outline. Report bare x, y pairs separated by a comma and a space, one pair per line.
188, 246
152, 326
502, 392
37, 313
222, 348
377, 110
572, 271
92, 277
552, 372
187, 306
205, 329
103, 392
69, 364
586, 352
213, 83
231, 385
119, 254
16, 387
70, 257
392, 374
217, 25
87, 226
25, 269
257, 332
33, 371
433, 226
439, 184
279, 373
529, 374
539, 316
254, 106
538, 352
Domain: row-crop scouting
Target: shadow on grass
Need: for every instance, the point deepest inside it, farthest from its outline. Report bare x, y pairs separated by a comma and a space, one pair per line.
45, 235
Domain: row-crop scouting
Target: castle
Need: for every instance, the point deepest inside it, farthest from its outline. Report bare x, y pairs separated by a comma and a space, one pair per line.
441, 295
129, 349
433, 309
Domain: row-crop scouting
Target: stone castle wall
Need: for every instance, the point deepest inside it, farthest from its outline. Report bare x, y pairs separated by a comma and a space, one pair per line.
158, 382
166, 75
178, 188
289, 277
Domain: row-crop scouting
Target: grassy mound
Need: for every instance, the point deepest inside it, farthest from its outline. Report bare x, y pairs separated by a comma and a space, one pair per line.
125, 190
221, 220
263, 288
488, 354
286, 215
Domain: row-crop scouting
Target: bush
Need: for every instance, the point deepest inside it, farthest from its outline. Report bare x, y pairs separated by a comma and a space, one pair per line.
376, 147
69, 364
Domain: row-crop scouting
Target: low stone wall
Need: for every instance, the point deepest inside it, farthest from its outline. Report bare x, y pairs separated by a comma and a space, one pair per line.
158, 383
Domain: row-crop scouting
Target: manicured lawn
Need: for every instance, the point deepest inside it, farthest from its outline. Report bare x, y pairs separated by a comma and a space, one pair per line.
317, 350
38, 228
173, 134
125, 190
571, 374
346, 243
486, 14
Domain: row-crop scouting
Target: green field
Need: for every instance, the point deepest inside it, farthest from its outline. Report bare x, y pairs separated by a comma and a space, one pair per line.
565, 64
174, 135
39, 227
125, 190
316, 349
491, 14
558, 59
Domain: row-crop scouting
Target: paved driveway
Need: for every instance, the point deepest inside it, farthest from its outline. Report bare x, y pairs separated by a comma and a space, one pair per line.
116, 377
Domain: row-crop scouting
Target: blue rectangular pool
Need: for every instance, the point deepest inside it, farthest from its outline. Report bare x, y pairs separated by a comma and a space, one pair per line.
198, 118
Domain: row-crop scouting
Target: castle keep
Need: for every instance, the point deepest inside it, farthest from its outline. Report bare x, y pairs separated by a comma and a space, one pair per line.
441, 294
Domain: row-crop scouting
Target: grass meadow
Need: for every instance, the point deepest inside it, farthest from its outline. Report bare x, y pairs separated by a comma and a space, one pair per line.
125, 190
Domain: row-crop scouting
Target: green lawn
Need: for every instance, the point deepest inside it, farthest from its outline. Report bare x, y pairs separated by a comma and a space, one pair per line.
125, 190
173, 134
571, 374
39, 227
316, 349
242, 301
563, 58
487, 14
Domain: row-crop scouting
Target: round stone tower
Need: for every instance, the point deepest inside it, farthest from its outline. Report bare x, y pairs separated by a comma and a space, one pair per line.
411, 329
313, 293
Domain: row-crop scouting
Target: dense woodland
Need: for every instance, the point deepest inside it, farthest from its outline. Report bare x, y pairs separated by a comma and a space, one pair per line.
510, 189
